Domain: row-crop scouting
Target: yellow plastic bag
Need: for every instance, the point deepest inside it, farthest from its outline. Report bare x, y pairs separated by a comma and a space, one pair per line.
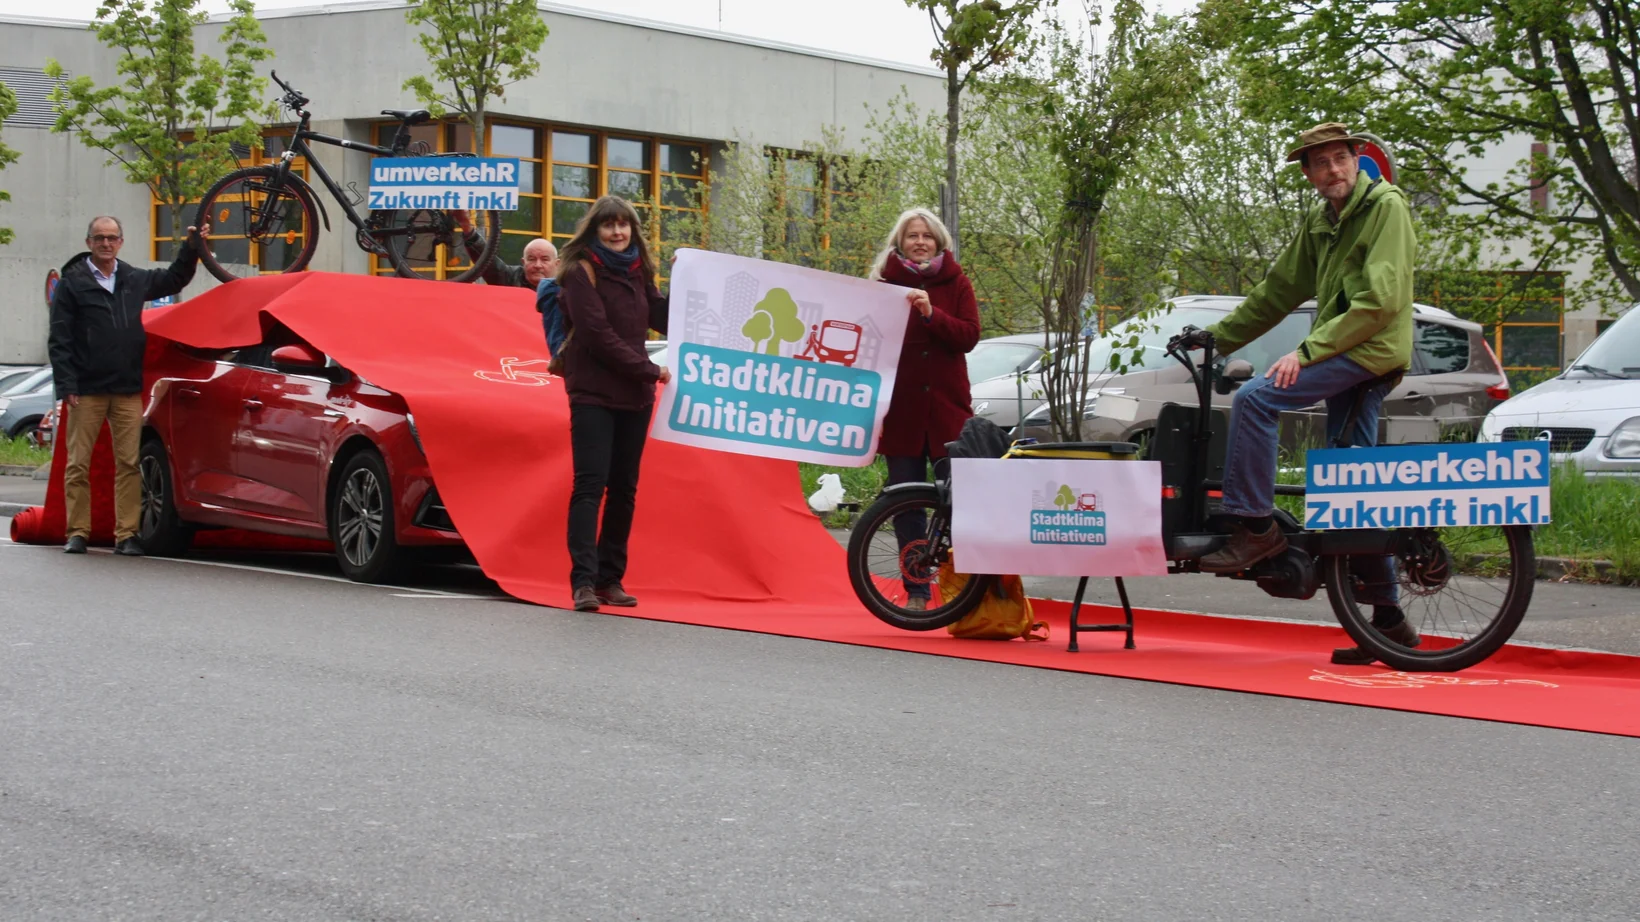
1004, 612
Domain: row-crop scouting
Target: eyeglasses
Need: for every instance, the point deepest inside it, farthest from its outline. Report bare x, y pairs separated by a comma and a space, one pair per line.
105, 238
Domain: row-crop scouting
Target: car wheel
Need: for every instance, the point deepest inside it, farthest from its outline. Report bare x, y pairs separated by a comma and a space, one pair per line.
25, 429
361, 521
160, 532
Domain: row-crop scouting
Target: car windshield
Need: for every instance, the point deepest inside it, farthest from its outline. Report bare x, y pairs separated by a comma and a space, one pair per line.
1616, 351
994, 359
1150, 352
28, 384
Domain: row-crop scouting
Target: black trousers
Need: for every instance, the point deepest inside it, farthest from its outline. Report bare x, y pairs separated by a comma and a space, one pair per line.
607, 446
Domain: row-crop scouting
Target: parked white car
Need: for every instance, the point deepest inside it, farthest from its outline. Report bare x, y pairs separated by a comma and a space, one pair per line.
1590, 413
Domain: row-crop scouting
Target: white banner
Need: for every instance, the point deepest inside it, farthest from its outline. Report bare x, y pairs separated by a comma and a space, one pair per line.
1049, 517
779, 361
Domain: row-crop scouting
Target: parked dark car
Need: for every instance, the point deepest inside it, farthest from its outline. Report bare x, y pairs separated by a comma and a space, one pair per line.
1455, 380
277, 438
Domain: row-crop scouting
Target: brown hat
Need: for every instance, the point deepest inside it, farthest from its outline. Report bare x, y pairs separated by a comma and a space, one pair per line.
1324, 133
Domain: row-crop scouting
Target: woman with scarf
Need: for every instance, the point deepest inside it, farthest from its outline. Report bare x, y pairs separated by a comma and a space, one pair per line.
930, 401
607, 279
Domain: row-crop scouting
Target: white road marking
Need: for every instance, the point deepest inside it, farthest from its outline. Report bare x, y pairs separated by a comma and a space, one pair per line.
319, 576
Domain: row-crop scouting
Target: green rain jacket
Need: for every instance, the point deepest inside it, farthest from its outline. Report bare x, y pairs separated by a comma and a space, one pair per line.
1358, 269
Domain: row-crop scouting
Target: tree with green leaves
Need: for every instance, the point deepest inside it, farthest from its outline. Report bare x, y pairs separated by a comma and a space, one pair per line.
8, 108
1447, 80
174, 120
476, 48
1211, 201
1064, 499
970, 37
827, 206
1011, 193
1101, 106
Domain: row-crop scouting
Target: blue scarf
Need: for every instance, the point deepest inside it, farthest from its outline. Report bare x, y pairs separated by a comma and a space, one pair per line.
621, 262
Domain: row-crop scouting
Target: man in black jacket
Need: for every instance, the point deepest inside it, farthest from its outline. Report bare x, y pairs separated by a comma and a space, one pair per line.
96, 346
540, 259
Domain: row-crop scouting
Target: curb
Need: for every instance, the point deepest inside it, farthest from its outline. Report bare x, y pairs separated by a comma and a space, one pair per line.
18, 470
1561, 568
11, 509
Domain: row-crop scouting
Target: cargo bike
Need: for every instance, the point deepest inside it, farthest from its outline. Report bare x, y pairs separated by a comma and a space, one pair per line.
1464, 589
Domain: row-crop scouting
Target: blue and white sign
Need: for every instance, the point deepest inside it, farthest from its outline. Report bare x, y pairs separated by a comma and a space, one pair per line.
1427, 486
444, 183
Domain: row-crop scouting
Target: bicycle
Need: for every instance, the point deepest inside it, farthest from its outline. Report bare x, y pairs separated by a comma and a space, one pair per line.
903, 540
278, 212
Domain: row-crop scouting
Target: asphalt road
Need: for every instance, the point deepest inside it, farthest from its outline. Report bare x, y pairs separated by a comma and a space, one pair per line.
198, 741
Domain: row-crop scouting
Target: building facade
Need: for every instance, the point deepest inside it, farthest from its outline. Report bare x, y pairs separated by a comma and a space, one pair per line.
620, 105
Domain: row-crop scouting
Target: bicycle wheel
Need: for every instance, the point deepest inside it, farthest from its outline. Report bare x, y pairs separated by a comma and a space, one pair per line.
894, 555
260, 224
1464, 589
417, 242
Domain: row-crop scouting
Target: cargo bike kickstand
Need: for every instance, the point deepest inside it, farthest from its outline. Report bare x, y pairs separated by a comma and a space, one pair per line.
899, 544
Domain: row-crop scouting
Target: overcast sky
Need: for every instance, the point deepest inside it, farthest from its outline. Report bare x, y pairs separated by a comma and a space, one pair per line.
885, 29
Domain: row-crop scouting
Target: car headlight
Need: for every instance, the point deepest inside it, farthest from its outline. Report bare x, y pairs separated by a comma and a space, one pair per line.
414, 435
1625, 440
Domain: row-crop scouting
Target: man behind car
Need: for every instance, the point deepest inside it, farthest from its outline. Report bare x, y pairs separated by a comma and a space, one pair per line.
96, 345
1354, 255
540, 259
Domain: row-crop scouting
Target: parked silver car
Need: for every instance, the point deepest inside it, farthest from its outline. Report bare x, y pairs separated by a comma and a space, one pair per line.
25, 403
1004, 377
1589, 413
1454, 382
12, 374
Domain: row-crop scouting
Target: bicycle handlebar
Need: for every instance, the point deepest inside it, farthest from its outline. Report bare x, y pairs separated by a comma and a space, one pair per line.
1190, 338
293, 99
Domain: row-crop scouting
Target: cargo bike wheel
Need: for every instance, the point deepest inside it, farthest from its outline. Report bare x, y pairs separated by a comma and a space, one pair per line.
898, 554
1465, 590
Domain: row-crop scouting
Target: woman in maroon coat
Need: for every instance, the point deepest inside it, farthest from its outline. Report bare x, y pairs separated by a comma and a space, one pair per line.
607, 279
930, 401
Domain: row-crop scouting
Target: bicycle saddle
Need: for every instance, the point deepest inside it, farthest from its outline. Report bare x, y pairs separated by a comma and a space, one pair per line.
409, 116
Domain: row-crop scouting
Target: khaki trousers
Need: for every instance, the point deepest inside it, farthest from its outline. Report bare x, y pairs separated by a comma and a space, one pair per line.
124, 415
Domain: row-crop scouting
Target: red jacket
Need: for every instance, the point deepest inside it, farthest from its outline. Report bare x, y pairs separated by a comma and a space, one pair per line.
930, 401
605, 363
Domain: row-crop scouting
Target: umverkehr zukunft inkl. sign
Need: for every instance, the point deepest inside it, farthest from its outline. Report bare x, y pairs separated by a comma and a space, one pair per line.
444, 183
1451, 484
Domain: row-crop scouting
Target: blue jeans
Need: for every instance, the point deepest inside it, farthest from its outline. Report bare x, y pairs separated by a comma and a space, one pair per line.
1250, 454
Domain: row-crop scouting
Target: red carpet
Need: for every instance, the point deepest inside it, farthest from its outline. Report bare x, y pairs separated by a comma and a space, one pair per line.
727, 541
1595, 692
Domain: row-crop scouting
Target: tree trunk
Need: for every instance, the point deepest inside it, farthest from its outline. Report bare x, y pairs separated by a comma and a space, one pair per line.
948, 205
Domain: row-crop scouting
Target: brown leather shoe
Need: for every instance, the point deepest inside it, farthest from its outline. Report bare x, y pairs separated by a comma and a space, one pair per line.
1245, 549
585, 599
613, 594
1404, 634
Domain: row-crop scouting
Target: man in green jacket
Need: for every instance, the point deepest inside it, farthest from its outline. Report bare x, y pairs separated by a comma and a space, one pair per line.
1354, 255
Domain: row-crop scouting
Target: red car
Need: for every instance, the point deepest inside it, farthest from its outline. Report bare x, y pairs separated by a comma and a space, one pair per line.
276, 438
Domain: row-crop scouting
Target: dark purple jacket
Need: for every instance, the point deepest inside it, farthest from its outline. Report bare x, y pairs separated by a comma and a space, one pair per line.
605, 364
